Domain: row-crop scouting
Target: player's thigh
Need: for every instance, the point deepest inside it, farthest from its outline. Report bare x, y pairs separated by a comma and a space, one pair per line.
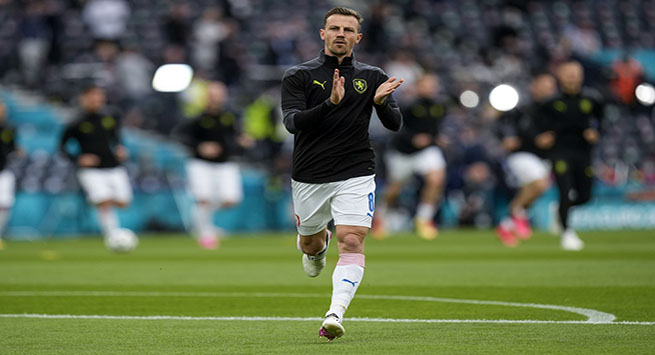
199, 179
120, 184
228, 183
564, 177
428, 160
399, 166
7, 187
354, 202
311, 206
96, 185
526, 167
584, 177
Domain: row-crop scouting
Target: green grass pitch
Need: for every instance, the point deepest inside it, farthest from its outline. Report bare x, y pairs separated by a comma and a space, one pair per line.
261, 276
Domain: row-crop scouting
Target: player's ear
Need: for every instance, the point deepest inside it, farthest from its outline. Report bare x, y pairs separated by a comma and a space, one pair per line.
322, 34
359, 38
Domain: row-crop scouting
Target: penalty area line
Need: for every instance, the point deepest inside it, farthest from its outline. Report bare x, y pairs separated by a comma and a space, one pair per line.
306, 319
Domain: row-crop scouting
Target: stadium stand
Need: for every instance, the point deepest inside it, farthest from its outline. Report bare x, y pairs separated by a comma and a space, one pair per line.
48, 48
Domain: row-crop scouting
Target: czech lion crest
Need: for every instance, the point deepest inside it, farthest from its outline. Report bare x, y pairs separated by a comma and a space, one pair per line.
360, 85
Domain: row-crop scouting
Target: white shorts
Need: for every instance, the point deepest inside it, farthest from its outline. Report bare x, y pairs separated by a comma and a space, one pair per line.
350, 202
526, 167
7, 186
401, 166
217, 183
106, 184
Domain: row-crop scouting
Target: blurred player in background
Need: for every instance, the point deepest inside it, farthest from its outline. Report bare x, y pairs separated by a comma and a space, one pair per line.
99, 157
570, 129
517, 131
327, 104
415, 151
214, 180
7, 179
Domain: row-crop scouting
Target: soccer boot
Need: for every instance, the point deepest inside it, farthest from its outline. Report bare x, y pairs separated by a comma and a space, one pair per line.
313, 265
425, 228
522, 227
331, 328
505, 233
571, 241
209, 242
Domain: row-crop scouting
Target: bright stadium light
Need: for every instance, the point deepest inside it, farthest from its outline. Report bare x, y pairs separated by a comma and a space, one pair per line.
503, 97
645, 93
172, 78
469, 99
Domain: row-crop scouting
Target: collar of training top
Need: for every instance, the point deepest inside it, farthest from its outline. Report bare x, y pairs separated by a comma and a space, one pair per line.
333, 61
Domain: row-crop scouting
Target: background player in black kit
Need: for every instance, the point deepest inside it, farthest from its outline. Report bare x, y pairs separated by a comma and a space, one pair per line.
327, 104
415, 150
570, 123
105, 181
517, 131
214, 180
7, 179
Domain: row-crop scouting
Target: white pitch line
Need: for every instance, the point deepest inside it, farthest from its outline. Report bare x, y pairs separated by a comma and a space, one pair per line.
593, 316
312, 319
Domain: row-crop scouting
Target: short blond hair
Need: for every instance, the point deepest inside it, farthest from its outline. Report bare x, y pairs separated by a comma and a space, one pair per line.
346, 12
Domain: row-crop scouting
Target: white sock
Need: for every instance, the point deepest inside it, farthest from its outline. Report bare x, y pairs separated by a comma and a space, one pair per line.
4, 218
202, 220
108, 220
425, 211
346, 278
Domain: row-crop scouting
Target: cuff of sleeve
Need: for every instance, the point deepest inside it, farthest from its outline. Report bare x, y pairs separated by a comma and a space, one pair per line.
329, 104
383, 105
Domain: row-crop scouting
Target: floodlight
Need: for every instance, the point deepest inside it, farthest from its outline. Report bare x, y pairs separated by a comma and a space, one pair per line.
645, 93
469, 99
172, 78
503, 97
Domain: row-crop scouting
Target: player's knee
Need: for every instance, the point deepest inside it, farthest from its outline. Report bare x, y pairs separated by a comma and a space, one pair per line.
312, 245
121, 204
104, 204
351, 239
203, 203
230, 204
541, 185
352, 243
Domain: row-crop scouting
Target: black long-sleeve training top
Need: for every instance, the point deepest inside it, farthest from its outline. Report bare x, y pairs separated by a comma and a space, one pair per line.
96, 133
520, 123
331, 142
424, 115
217, 127
568, 116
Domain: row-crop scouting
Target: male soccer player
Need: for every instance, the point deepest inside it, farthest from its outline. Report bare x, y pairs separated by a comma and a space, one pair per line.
214, 180
517, 131
571, 121
414, 151
327, 104
7, 180
99, 157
